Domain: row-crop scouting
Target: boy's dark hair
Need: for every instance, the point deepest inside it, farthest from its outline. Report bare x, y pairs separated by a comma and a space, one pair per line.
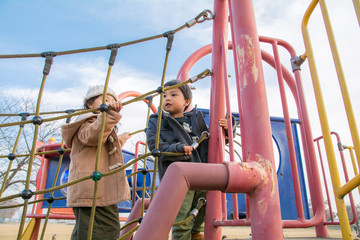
185, 89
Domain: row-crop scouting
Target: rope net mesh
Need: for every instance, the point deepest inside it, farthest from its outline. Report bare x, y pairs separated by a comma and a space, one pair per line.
38, 118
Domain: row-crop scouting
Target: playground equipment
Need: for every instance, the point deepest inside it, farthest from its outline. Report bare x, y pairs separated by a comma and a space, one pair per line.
256, 175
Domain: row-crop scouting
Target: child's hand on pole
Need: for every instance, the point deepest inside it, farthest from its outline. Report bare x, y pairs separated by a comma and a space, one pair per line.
188, 149
116, 106
223, 123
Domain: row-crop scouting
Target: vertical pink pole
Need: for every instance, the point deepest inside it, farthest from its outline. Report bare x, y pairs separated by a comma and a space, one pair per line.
217, 106
255, 121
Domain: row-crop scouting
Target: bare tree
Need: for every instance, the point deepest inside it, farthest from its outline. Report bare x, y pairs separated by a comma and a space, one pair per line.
17, 175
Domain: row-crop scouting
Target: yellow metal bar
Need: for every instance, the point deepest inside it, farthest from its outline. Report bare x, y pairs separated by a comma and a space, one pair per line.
357, 9
340, 204
348, 187
351, 149
340, 74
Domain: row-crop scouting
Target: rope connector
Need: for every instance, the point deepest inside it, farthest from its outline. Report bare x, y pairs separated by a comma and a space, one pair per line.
156, 153
24, 115
26, 194
202, 199
37, 120
170, 36
160, 90
114, 49
104, 108
61, 151
11, 156
96, 176
194, 212
140, 219
194, 145
204, 16
144, 171
205, 134
50, 200
340, 146
150, 100
69, 111
49, 56
297, 61
191, 23
202, 75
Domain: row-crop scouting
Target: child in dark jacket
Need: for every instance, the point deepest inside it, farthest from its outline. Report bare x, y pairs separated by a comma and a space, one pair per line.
179, 130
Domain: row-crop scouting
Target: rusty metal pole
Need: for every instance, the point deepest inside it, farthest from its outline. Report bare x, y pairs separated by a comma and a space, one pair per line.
217, 111
254, 120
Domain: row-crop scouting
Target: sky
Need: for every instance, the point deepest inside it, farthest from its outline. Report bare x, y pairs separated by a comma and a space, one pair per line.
37, 26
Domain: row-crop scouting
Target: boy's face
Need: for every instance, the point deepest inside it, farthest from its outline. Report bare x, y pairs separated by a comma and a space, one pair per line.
175, 102
98, 101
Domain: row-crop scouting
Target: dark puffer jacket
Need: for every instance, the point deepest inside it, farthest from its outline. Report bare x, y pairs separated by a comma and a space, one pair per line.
173, 138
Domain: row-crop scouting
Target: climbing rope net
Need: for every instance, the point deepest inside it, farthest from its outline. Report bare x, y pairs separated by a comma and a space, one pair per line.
38, 119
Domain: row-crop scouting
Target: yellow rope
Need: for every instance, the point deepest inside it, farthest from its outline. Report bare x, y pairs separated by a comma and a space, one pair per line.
10, 163
32, 202
200, 204
37, 153
52, 193
129, 233
27, 183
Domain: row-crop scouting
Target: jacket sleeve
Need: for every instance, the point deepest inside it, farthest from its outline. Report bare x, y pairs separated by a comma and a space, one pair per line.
90, 131
163, 145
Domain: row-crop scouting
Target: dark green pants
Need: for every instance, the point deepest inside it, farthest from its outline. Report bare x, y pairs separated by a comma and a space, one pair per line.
183, 232
106, 223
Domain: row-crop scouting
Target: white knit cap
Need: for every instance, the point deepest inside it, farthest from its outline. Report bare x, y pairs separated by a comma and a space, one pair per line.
98, 90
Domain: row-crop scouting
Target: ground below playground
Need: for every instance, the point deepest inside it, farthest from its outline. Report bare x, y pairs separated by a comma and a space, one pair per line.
62, 231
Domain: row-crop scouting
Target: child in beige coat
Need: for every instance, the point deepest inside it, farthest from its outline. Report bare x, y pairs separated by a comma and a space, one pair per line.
82, 137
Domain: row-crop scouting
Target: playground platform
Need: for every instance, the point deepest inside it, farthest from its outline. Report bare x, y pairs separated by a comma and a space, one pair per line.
242, 233
62, 231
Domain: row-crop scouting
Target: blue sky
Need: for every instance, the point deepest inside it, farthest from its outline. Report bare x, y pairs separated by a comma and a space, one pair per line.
38, 25
46, 25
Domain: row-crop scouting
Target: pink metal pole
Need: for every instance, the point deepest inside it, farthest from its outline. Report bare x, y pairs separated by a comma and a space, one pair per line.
353, 208
310, 156
309, 149
135, 214
217, 111
289, 136
182, 176
255, 120
317, 199
324, 179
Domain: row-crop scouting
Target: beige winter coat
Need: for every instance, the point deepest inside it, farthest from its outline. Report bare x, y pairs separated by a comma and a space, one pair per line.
82, 137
